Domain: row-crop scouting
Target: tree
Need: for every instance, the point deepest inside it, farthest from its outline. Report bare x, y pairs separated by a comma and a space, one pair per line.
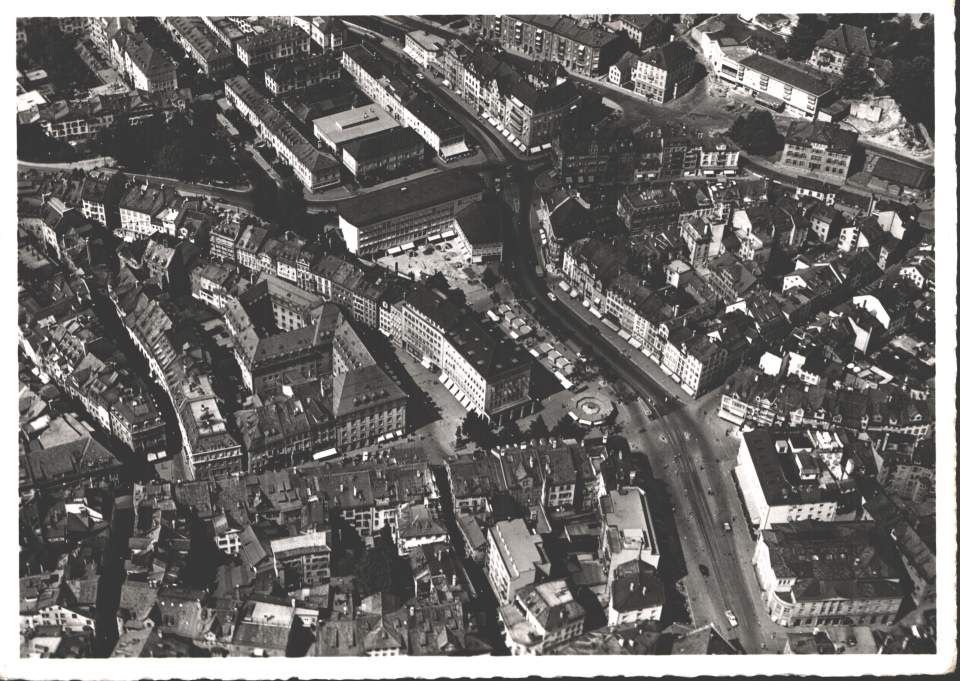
568, 428
171, 160
457, 297
756, 133
912, 88
375, 570
34, 145
806, 33
477, 430
437, 281
857, 79
510, 433
538, 428
489, 278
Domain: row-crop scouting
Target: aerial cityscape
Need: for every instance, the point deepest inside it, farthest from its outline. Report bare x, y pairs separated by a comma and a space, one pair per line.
477, 335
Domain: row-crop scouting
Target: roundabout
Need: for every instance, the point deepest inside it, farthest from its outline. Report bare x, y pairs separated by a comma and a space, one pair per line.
592, 410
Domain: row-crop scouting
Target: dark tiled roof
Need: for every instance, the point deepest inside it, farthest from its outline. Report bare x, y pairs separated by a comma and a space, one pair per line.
846, 39
818, 132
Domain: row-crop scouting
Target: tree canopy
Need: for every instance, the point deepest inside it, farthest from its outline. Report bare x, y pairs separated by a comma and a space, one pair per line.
857, 79
756, 133
806, 33
913, 88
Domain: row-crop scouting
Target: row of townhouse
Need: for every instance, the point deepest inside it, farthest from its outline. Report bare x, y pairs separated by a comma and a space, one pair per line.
315, 169
752, 397
144, 66
200, 44
585, 49
248, 243
529, 105
208, 449
82, 119
259, 49
598, 157
370, 494
665, 324
380, 77
70, 348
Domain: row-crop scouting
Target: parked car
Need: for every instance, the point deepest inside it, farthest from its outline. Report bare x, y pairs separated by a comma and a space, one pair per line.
731, 618
727, 527
704, 570
551, 296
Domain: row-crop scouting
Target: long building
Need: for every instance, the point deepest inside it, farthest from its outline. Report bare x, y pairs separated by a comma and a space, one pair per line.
406, 212
280, 43
486, 371
792, 88
314, 168
813, 574
783, 480
588, 50
391, 85
200, 44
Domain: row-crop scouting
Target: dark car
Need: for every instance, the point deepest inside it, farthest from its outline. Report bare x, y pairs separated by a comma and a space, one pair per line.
704, 570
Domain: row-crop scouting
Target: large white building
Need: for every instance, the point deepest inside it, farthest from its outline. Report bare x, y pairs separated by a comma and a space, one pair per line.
786, 477
486, 371
404, 213
514, 558
795, 89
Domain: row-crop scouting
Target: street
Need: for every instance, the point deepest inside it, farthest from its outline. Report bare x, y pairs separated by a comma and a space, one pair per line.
698, 464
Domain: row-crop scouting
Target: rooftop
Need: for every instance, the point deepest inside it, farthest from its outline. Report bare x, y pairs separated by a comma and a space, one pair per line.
791, 74
408, 197
520, 550
382, 144
485, 221
339, 128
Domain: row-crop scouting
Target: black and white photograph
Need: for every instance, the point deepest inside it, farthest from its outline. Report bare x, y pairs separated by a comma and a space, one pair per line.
483, 336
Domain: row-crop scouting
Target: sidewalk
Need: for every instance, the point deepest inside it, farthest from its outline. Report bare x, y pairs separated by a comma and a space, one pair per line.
644, 363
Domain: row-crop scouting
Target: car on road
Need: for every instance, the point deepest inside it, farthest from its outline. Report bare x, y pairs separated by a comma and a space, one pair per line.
731, 618
551, 296
727, 527
419, 76
704, 570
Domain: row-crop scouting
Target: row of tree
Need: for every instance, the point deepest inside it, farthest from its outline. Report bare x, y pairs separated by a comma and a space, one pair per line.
475, 429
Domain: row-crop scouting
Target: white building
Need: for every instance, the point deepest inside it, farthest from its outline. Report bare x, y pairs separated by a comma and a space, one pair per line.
423, 47
811, 492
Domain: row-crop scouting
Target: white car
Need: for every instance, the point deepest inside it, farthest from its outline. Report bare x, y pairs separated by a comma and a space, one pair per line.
551, 296
731, 618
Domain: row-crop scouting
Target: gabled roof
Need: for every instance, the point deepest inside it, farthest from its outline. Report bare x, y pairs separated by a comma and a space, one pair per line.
846, 39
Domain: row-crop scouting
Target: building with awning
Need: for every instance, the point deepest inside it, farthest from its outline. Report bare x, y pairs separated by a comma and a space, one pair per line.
407, 211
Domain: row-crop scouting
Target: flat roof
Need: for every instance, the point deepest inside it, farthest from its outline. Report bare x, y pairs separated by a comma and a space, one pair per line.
427, 41
383, 144
353, 124
788, 73
407, 197
518, 548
